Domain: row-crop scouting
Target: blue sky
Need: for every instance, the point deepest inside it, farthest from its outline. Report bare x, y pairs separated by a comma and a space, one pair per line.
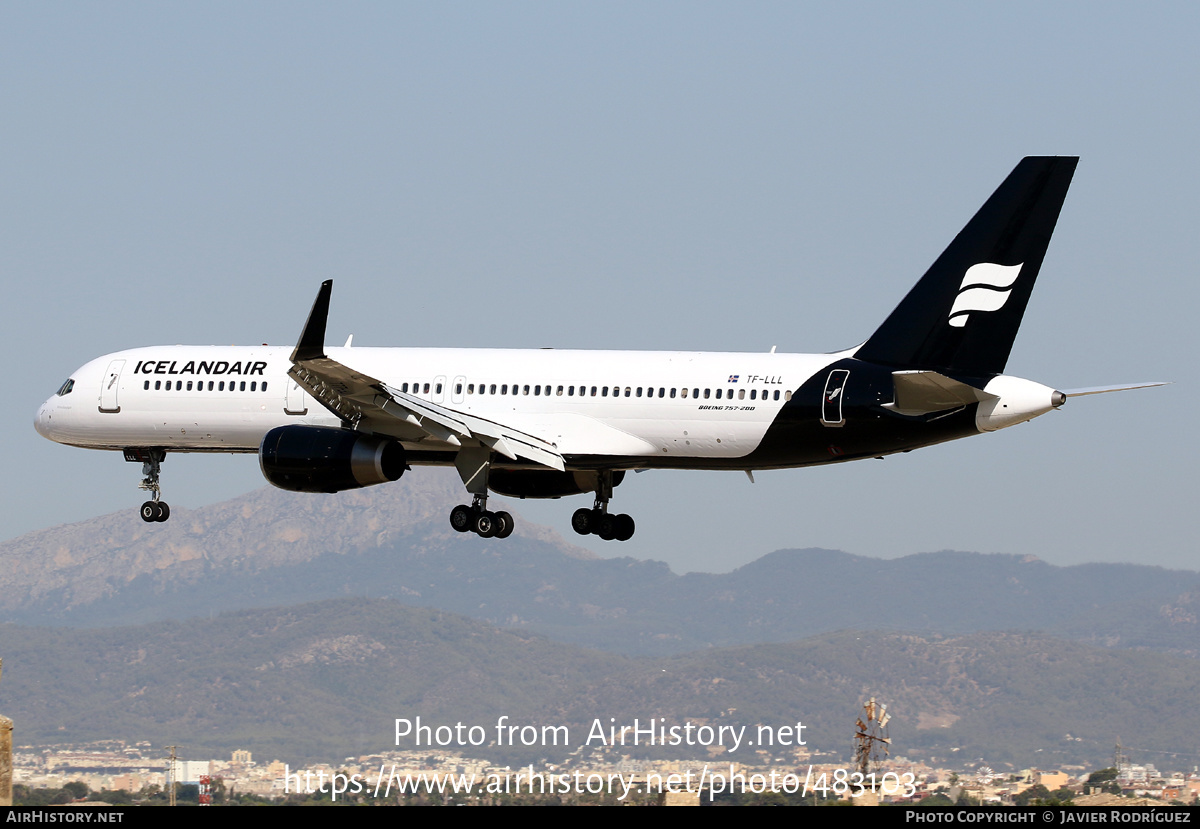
619, 175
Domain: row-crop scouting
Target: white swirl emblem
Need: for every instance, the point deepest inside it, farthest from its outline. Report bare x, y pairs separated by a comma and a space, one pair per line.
985, 287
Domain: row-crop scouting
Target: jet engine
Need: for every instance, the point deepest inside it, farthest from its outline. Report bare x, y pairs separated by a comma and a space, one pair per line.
323, 459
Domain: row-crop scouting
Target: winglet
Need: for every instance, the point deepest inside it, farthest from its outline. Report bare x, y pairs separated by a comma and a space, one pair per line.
312, 339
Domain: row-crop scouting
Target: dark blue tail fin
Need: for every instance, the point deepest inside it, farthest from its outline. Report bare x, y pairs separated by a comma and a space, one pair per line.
963, 316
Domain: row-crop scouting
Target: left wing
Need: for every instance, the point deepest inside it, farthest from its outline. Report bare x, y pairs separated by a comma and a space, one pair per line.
371, 405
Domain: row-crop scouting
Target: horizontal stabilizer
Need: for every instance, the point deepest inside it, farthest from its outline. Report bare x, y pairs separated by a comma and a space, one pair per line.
924, 392
1103, 389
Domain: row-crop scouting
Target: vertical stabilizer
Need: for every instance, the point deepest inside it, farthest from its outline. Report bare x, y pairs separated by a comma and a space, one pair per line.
963, 316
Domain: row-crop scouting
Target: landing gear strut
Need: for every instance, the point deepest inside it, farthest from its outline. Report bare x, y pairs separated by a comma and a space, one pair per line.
154, 510
598, 520
473, 464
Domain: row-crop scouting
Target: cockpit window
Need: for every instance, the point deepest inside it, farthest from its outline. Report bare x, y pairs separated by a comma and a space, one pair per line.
65, 388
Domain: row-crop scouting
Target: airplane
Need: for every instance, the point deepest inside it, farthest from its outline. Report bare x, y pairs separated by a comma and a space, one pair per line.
548, 423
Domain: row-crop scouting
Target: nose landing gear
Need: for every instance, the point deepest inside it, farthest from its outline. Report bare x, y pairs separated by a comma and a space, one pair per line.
154, 510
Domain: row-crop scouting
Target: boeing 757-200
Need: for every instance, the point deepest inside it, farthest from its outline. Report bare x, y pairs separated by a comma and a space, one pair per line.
547, 423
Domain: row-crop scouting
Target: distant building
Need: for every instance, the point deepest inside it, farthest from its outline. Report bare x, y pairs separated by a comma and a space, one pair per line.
190, 771
1051, 779
127, 782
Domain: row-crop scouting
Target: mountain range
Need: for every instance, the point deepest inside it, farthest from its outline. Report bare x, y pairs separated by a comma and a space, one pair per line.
303, 626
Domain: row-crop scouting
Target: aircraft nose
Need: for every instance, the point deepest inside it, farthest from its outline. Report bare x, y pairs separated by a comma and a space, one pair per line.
43, 420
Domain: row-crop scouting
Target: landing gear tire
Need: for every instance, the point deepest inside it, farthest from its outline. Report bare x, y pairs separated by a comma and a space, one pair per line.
582, 521
606, 527
507, 525
460, 518
155, 511
624, 527
486, 525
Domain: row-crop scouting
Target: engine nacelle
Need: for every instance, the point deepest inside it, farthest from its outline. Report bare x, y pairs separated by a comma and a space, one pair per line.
527, 483
323, 459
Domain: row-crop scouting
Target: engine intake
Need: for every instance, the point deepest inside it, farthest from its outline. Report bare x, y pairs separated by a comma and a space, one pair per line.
323, 459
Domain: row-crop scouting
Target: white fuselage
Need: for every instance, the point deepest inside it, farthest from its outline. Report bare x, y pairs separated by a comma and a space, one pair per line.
647, 405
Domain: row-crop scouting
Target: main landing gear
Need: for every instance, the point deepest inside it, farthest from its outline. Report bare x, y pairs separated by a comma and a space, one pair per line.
478, 520
598, 520
473, 463
154, 510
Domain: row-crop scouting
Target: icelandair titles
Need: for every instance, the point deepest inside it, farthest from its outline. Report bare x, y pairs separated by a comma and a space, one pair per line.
200, 367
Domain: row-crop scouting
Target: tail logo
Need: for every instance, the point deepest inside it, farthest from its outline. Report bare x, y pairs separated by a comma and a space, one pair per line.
985, 287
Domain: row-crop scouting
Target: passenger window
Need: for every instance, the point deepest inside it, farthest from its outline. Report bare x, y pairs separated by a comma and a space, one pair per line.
604, 392
189, 385
559, 392
439, 388
741, 394
672, 393
470, 387
718, 394
683, 394
404, 387
752, 393
458, 388
570, 391
147, 386
242, 386
492, 389
525, 390
593, 391
787, 395
627, 391
776, 394
264, 388
662, 392
427, 388
706, 394
158, 385
537, 390
253, 386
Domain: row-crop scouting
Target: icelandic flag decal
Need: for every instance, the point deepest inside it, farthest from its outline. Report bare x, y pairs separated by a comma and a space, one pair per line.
733, 378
